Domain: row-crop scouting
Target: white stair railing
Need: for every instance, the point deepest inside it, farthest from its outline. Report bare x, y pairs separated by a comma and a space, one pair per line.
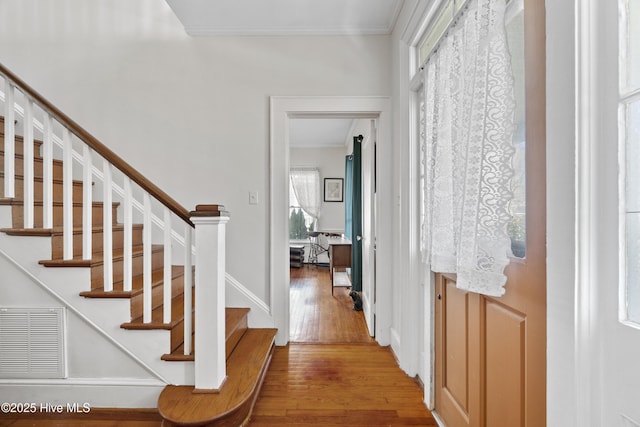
87, 161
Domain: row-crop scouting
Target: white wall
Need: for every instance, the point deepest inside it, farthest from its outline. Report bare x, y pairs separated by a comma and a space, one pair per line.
331, 163
191, 114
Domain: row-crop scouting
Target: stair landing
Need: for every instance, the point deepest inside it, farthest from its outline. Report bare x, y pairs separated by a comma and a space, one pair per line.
233, 403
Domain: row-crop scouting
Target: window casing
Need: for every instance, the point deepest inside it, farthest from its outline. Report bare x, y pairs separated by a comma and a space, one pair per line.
629, 149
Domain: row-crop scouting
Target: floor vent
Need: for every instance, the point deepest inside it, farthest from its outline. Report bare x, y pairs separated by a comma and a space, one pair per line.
32, 343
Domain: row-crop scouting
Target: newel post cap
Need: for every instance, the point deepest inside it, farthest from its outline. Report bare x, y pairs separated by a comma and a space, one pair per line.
211, 210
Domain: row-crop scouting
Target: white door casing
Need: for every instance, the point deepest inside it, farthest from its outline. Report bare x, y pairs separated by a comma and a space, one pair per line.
283, 109
368, 229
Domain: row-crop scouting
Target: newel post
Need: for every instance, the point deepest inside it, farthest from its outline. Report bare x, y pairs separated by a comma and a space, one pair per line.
210, 361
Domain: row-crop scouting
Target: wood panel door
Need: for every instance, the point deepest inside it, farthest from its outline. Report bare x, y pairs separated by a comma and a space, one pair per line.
490, 358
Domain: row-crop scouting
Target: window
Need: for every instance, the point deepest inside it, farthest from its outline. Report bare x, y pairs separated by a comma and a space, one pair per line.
304, 201
515, 37
629, 132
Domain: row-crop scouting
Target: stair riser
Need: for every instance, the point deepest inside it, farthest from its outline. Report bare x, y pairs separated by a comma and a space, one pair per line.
37, 164
177, 333
37, 189
97, 271
19, 142
237, 334
18, 216
97, 242
157, 296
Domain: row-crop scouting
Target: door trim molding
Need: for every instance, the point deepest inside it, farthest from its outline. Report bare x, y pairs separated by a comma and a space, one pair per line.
586, 273
282, 109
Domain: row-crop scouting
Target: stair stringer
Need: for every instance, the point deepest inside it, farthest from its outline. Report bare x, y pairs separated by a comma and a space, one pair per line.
104, 315
97, 371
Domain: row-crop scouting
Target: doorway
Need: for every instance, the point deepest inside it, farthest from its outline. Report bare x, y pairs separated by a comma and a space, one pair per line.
283, 110
321, 207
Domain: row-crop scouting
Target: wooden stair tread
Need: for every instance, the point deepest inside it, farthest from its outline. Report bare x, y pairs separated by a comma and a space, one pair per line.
97, 259
17, 137
157, 279
40, 232
232, 405
20, 177
19, 202
235, 327
157, 314
59, 230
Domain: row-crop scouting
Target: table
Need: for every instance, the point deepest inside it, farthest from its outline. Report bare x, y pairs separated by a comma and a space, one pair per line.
339, 255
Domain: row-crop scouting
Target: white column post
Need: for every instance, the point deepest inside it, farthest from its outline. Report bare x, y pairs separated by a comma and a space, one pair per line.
67, 194
188, 287
210, 361
9, 140
107, 226
47, 173
28, 171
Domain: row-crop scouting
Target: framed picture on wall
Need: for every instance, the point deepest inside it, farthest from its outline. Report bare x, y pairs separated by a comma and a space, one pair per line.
333, 189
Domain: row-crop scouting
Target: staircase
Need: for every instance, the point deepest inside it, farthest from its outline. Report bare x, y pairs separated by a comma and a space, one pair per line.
125, 261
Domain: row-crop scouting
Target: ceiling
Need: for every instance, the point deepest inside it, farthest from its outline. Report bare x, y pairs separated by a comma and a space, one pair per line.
319, 132
286, 17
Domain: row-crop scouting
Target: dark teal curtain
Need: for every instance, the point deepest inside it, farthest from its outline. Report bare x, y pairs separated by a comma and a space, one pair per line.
356, 215
348, 194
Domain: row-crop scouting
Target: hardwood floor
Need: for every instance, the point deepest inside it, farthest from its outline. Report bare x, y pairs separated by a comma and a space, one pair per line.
338, 375
338, 385
316, 316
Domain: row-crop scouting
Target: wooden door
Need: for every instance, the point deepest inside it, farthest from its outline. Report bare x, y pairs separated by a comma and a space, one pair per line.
368, 229
490, 358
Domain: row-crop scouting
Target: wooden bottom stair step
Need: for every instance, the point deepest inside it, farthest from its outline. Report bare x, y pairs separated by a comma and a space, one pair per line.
236, 325
233, 404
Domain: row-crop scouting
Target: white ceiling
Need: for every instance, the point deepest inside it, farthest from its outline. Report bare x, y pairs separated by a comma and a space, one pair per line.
319, 132
286, 17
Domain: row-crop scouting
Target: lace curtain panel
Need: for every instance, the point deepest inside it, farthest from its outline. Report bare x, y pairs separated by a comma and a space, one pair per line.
306, 186
467, 122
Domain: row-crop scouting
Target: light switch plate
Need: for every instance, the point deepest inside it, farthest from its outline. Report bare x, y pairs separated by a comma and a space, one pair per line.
253, 197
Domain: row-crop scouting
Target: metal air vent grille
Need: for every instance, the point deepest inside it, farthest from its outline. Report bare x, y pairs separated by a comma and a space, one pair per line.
32, 343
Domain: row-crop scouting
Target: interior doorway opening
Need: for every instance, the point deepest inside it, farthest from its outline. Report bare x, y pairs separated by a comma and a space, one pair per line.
283, 111
326, 216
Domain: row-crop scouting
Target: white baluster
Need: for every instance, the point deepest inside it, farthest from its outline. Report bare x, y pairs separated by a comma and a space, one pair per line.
67, 195
47, 173
87, 203
9, 140
188, 287
167, 267
146, 260
28, 172
210, 361
127, 270
107, 227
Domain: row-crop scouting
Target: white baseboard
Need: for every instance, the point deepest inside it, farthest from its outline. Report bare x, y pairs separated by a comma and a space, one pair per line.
395, 341
85, 392
238, 295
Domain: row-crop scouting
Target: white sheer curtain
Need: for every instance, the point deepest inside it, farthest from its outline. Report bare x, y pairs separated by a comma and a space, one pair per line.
467, 121
306, 185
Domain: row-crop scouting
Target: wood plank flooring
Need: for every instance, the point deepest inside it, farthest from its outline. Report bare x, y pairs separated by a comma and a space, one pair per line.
338, 385
316, 316
351, 381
